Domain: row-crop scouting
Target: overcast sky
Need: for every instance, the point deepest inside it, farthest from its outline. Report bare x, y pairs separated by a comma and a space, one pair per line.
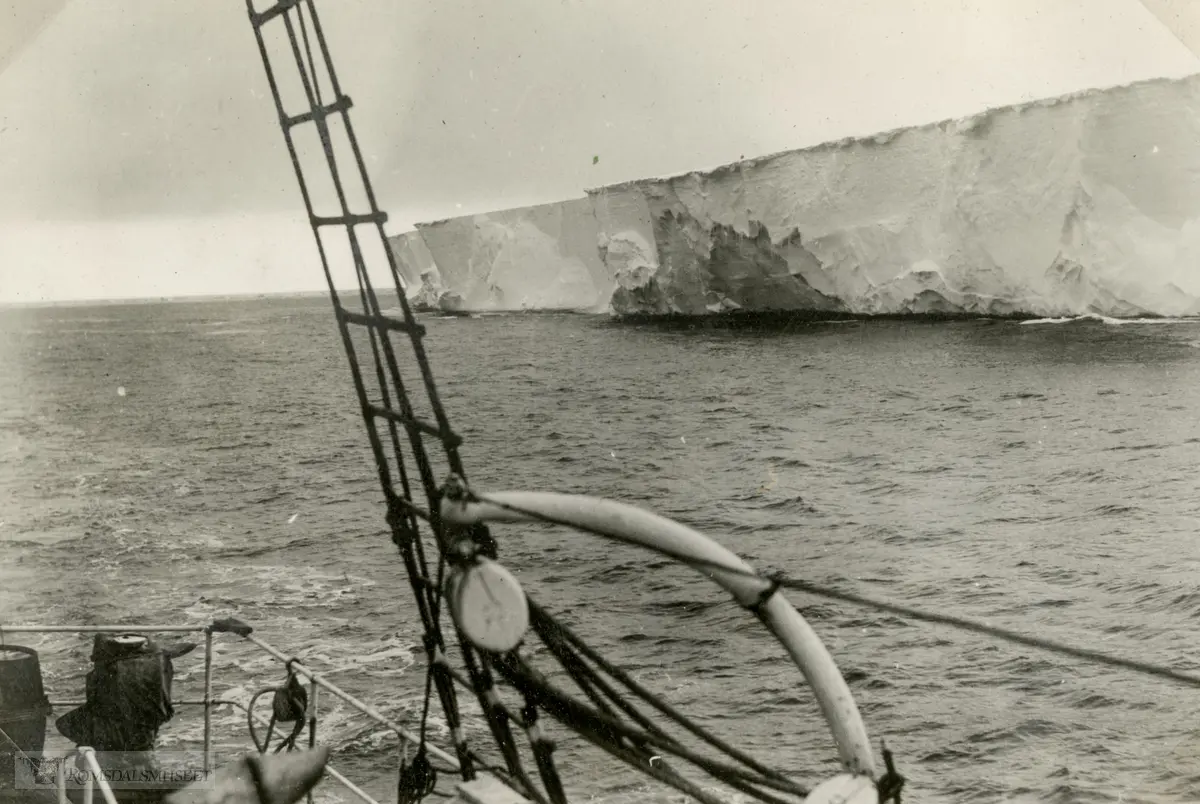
126, 109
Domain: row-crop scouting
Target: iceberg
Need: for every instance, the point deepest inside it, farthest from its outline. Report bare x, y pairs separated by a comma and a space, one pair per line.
542, 257
1087, 204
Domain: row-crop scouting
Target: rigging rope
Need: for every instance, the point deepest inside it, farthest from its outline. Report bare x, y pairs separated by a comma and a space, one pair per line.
622, 741
778, 580
538, 614
397, 407
603, 727
630, 745
419, 778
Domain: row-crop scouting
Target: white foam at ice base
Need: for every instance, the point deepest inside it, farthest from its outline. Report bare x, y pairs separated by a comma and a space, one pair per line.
1103, 319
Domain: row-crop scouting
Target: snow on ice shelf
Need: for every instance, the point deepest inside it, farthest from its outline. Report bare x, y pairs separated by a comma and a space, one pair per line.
531, 258
1085, 204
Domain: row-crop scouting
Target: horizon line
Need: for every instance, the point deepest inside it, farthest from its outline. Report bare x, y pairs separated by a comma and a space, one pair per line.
178, 298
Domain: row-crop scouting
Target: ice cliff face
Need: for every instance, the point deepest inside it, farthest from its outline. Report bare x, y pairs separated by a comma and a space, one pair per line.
541, 258
1085, 204
423, 281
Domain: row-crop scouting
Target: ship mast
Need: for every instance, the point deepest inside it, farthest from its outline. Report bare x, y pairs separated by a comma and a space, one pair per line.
440, 531
410, 437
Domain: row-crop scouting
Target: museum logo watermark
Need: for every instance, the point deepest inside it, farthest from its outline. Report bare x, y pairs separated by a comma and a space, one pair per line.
121, 770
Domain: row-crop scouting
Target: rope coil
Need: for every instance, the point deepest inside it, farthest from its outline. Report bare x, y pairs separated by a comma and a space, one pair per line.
289, 704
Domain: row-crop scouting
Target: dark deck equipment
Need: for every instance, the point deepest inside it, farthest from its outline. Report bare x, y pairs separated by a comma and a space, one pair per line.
23, 710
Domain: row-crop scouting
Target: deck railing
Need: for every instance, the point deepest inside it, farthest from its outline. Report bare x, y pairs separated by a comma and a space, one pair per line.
95, 778
316, 682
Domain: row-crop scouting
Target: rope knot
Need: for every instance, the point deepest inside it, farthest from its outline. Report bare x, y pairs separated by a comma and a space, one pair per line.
891, 783
455, 489
399, 519
290, 702
775, 580
417, 780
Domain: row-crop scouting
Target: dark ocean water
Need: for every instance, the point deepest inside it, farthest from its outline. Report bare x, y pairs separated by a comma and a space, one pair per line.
1040, 477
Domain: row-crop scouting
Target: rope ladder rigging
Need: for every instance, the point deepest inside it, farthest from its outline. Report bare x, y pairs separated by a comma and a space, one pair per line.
605, 716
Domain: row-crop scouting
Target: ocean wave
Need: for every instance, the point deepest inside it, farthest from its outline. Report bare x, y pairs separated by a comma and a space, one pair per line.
986, 484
